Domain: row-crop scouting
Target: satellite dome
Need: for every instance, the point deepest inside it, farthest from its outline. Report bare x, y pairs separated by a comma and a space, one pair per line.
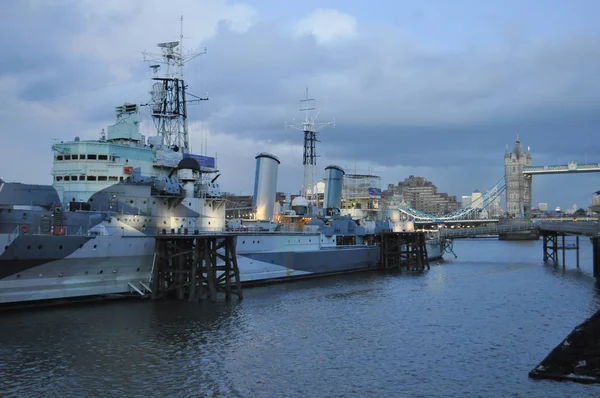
189, 164
299, 201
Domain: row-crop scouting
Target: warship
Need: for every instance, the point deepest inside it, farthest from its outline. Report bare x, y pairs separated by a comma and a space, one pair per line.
91, 232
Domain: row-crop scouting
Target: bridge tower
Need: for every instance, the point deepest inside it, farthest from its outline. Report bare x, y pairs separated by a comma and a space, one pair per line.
518, 186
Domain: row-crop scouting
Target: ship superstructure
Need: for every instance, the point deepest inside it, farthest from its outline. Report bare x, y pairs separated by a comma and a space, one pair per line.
90, 231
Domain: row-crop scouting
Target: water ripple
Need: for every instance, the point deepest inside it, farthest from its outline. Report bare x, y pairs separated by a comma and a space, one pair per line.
473, 326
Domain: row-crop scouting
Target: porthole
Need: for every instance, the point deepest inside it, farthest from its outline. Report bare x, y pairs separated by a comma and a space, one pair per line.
95, 246
138, 270
81, 246
60, 247
101, 271
5, 247
28, 247
243, 242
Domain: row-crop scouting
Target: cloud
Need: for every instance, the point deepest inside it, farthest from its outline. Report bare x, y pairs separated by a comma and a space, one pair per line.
401, 107
327, 25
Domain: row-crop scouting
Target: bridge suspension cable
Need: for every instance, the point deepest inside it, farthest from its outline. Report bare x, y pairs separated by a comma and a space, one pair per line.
478, 204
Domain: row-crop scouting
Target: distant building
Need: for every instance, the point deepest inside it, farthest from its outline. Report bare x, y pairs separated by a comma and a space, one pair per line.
476, 200
543, 206
495, 208
238, 206
465, 200
420, 194
518, 186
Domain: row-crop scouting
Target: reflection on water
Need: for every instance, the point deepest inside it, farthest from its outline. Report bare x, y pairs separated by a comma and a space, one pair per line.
472, 326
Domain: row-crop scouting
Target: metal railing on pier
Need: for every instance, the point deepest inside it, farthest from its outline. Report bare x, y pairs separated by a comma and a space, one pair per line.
566, 227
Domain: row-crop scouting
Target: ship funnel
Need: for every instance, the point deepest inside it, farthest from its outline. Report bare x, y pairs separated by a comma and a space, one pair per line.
333, 187
265, 185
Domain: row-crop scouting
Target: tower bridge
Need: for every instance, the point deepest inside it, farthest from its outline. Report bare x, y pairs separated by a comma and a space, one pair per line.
515, 185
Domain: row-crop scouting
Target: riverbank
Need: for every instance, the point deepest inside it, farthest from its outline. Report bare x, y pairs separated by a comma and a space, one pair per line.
576, 358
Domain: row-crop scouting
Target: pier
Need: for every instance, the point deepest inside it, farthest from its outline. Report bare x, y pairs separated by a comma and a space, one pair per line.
406, 250
195, 267
551, 232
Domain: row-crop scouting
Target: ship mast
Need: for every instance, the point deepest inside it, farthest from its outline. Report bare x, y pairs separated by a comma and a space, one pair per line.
169, 102
309, 127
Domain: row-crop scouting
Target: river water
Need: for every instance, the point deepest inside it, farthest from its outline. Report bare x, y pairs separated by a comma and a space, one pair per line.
471, 326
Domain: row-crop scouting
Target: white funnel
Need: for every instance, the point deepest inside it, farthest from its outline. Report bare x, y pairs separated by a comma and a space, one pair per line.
265, 185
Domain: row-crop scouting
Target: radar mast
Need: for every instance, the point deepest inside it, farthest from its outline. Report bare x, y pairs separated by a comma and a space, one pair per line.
309, 126
168, 95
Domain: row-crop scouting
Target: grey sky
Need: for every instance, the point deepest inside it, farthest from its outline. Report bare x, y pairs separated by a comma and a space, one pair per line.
435, 89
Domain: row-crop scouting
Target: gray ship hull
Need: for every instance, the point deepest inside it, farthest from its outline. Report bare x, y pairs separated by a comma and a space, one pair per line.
120, 264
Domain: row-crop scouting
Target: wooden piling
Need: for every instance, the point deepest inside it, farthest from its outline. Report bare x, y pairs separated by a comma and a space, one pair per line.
404, 250
596, 259
564, 254
195, 267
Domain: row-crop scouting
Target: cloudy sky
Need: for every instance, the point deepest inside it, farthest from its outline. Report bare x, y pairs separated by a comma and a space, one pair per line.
434, 88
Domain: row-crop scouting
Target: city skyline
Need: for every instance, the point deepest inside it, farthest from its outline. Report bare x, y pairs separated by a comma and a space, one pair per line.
435, 90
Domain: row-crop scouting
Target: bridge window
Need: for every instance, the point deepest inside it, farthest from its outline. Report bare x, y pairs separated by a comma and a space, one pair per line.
113, 178
59, 157
91, 157
91, 178
82, 157
74, 157
59, 178
102, 157
66, 178
67, 157
102, 178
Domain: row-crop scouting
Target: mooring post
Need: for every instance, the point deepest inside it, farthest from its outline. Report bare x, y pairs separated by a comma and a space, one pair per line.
577, 249
564, 251
596, 258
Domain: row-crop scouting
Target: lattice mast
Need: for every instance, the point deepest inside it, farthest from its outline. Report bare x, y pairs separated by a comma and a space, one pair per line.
168, 95
309, 127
